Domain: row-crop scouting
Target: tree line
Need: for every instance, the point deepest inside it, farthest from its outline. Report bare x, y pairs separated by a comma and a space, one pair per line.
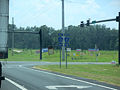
84, 38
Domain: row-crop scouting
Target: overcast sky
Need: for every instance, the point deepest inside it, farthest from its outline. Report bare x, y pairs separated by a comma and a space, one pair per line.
49, 12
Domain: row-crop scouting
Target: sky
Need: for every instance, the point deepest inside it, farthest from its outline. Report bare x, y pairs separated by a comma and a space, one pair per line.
49, 12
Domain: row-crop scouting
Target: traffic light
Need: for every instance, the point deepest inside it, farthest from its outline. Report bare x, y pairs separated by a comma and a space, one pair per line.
88, 23
82, 24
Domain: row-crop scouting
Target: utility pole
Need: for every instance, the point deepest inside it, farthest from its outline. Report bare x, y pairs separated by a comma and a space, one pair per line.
13, 36
63, 31
119, 38
40, 34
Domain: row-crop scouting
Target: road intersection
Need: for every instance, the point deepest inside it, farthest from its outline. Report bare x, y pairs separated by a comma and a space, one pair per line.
20, 76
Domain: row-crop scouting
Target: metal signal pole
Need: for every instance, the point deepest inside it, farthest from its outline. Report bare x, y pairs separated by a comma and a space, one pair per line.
63, 31
40, 34
119, 38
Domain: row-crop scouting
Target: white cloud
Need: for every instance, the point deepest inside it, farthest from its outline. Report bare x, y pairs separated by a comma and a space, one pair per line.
85, 7
90, 6
37, 12
115, 3
40, 12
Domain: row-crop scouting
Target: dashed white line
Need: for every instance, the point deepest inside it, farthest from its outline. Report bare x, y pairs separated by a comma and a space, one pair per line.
17, 85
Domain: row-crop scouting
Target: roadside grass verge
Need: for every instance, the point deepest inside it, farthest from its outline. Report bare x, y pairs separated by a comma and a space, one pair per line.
83, 56
104, 73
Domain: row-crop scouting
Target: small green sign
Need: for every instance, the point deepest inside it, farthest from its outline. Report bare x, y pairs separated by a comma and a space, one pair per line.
93, 22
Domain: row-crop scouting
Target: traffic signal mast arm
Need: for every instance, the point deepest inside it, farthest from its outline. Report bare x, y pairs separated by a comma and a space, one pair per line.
117, 19
93, 22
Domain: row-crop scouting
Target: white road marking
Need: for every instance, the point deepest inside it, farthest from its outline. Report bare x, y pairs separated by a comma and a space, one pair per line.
17, 85
67, 86
72, 79
20, 65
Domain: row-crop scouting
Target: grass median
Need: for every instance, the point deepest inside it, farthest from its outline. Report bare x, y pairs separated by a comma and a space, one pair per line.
105, 73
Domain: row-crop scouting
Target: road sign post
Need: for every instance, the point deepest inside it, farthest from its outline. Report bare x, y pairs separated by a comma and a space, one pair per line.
60, 57
60, 44
66, 45
66, 57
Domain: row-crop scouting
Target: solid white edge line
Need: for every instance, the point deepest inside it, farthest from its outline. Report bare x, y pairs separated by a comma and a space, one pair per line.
14, 83
73, 79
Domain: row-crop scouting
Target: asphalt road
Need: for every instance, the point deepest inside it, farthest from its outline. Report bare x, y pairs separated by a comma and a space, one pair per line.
20, 76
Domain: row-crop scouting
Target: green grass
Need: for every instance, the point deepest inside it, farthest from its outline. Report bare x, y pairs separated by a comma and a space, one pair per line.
104, 73
85, 56
26, 55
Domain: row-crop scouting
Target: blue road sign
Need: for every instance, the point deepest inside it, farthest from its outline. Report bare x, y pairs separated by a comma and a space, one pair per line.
60, 34
60, 39
66, 44
67, 39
